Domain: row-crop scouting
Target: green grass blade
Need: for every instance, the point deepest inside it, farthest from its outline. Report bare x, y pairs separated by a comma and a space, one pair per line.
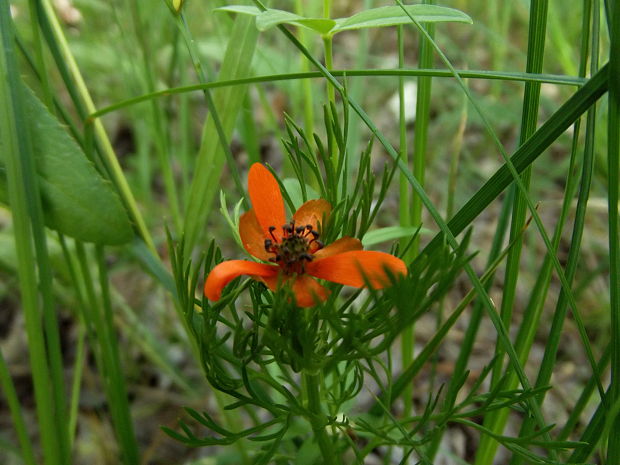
591, 435
28, 228
465, 74
65, 59
211, 158
412, 211
404, 214
556, 264
16, 413
553, 339
98, 317
406, 377
613, 169
76, 383
496, 420
527, 153
161, 144
584, 398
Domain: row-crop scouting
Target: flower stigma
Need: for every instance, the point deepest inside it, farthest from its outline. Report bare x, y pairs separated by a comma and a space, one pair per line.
295, 249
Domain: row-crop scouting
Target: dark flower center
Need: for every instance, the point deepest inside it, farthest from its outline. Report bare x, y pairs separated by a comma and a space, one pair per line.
296, 247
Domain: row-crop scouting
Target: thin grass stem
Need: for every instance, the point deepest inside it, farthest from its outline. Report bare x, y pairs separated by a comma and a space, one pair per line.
613, 170
6, 382
108, 155
473, 74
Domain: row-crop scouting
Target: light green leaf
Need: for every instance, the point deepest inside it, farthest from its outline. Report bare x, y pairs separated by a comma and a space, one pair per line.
273, 17
293, 188
394, 15
77, 201
242, 9
390, 233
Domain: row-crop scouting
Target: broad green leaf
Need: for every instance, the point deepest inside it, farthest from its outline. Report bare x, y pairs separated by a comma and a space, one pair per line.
390, 233
77, 201
274, 17
394, 15
376, 17
242, 9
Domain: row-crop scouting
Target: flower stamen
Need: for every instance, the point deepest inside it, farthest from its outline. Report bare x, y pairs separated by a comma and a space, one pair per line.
295, 248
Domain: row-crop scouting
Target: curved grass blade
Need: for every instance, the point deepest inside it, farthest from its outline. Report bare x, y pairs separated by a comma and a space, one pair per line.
211, 158
474, 74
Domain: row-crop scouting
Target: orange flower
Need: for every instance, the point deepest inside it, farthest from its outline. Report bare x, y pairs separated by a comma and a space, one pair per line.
294, 249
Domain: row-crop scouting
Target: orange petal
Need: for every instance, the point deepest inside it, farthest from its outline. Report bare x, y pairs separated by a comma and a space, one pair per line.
252, 235
313, 212
266, 199
308, 291
225, 272
272, 282
344, 244
356, 267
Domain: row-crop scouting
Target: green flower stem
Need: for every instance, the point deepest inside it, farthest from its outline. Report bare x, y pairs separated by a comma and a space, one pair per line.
317, 418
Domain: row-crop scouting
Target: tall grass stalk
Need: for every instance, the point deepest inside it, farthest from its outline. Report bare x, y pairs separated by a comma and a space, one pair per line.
97, 314
553, 339
159, 133
404, 204
613, 170
413, 204
211, 157
77, 87
496, 421
33, 265
17, 414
